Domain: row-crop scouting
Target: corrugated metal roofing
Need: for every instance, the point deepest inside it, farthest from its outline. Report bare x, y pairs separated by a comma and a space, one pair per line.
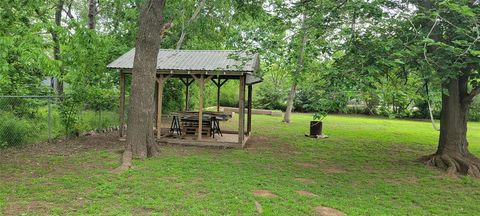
196, 60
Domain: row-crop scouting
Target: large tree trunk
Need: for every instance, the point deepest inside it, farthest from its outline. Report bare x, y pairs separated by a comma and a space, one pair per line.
92, 14
56, 46
452, 153
140, 140
290, 99
298, 70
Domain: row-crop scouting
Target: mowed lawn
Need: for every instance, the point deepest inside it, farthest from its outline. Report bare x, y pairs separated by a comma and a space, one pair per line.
366, 167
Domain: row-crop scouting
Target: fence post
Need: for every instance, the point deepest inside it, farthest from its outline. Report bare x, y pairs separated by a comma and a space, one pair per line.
100, 127
49, 119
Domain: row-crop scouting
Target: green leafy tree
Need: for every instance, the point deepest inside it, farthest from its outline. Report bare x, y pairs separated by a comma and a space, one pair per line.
69, 116
23, 60
451, 34
422, 41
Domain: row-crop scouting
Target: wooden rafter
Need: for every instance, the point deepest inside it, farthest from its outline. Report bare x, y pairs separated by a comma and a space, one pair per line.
187, 82
219, 83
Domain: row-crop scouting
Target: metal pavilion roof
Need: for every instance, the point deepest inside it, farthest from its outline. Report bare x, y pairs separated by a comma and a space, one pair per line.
196, 60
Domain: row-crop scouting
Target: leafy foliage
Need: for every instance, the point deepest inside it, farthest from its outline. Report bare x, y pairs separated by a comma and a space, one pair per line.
13, 131
474, 114
69, 115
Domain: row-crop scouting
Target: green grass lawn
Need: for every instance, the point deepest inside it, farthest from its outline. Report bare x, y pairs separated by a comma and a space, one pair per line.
366, 167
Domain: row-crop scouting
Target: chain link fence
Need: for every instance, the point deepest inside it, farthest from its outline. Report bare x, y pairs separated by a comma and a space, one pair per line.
34, 119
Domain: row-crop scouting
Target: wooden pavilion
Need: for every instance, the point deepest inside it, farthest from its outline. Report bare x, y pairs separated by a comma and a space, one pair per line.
201, 66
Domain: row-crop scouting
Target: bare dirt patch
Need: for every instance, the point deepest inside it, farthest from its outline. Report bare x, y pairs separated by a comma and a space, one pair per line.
264, 193
168, 150
324, 166
403, 180
37, 160
297, 152
18, 208
169, 178
326, 211
203, 192
106, 141
257, 142
333, 170
304, 180
306, 193
142, 211
307, 165
402, 148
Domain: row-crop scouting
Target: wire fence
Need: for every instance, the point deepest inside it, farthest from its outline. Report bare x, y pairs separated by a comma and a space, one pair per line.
33, 119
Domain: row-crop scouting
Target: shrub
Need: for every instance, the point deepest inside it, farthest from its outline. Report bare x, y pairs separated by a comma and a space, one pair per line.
474, 113
21, 107
90, 120
358, 109
173, 96
69, 116
13, 131
272, 97
228, 94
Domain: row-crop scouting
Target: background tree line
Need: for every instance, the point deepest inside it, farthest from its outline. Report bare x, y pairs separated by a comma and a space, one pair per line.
350, 63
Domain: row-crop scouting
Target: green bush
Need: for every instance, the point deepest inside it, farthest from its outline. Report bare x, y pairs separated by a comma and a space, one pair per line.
271, 97
69, 116
474, 113
228, 94
91, 120
13, 131
173, 96
357, 109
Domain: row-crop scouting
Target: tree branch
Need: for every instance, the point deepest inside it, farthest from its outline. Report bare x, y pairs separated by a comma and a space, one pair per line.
165, 28
194, 16
469, 97
69, 13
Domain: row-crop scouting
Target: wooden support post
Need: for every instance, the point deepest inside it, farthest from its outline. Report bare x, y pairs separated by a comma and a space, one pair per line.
155, 95
187, 96
121, 128
200, 107
241, 111
161, 81
218, 94
201, 82
249, 111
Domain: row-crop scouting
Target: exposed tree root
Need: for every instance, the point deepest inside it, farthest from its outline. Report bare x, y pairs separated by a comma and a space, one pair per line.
153, 149
126, 162
454, 164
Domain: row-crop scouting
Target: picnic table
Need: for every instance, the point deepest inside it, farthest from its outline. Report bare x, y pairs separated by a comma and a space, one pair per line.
187, 123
